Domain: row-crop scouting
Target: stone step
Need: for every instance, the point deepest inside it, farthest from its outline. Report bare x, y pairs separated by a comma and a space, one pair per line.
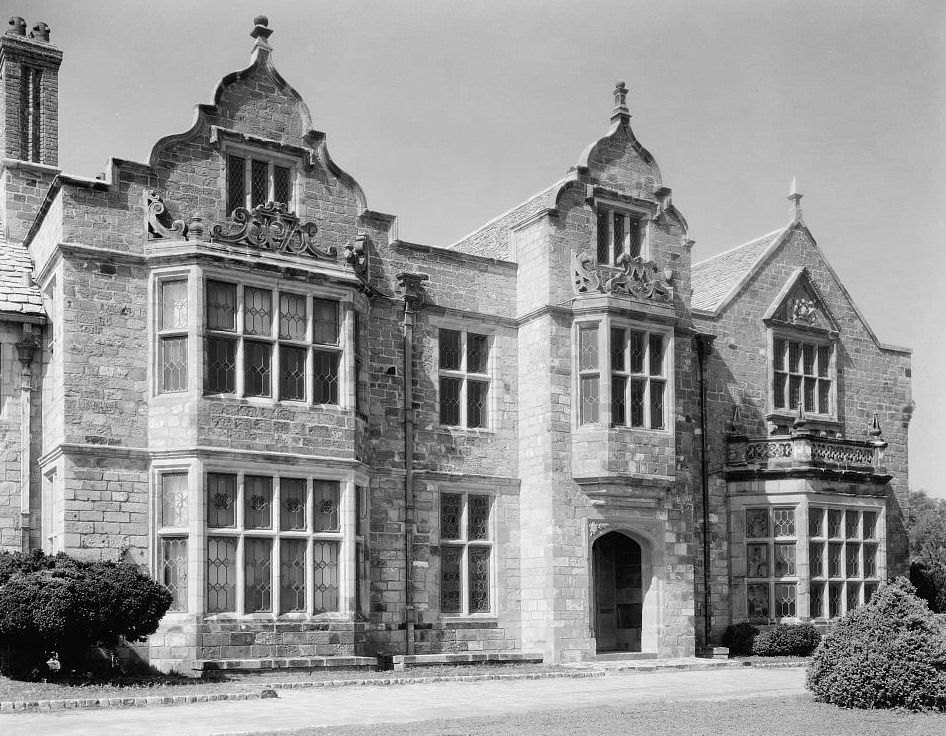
236, 666
655, 664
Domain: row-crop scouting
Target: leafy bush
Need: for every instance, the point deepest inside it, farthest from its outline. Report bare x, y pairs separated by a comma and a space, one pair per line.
60, 605
739, 639
929, 579
889, 653
786, 640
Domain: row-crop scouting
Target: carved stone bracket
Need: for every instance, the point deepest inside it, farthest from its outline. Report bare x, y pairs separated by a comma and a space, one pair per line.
160, 225
272, 227
356, 254
633, 276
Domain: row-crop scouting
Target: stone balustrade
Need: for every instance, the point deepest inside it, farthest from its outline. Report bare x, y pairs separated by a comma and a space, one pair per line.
801, 451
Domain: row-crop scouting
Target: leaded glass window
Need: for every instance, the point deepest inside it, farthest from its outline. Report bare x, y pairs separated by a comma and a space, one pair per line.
174, 500
326, 505
638, 378
292, 503
619, 233
325, 576
292, 569
258, 575
801, 375
172, 331
771, 563
174, 571
464, 378
221, 500
255, 181
221, 574
588, 374
258, 502
466, 553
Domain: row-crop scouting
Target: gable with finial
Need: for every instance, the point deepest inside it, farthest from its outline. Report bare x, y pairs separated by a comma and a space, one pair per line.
799, 303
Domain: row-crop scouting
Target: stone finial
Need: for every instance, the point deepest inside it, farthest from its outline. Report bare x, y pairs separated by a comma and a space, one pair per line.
40, 32
620, 113
261, 30
874, 430
795, 198
800, 422
17, 26
733, 425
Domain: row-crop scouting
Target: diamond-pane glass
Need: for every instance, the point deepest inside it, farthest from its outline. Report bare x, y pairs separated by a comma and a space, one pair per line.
221, 365
451, 511
785, 596
325, 322
778, 387
824, 360
794, 391
870, 560
816, 600
824, 397
325, 576
450, 579
173, 364
853, 554
257, 311
815, 522
449, 350
476, 403
589, 399
260, 183
174, 571
850, 524
869, 590
221, 500
853, 596
834, 560
657, 404
808, 359
656, 355
326, 504
794, 357
618, 240
325, 377
258, 502
809, 384
619, 400
784, 560
257, 368
292, 567
478, 515
783, 522
173, 305
778, 354
638, 392
835, 519
292, 373
637, 351
637, 237
293, 317
479, 579
292, 493
236, 186
870, 525
257, 575
604, 235
221, 574
835, 591
282, 185
816, 559
362, 580
757, 523
757, 595
477, 353
221, 306
174, 500
757, 560
450, 400
618, 345
588, 348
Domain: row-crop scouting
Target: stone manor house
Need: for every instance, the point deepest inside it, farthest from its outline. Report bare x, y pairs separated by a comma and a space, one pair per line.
558, 436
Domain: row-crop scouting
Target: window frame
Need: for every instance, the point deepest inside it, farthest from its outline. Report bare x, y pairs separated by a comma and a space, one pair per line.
465, 544
628, 214
249, 154
770, 541
817, 339
465, 377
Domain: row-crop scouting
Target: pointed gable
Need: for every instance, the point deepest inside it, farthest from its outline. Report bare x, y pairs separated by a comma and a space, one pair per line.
800, 304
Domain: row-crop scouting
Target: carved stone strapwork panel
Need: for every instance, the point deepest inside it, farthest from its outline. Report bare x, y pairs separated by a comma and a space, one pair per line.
272, 227
804, 312
632, 276
160, 225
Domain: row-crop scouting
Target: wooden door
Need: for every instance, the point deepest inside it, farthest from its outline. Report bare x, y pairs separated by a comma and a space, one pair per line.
605, 608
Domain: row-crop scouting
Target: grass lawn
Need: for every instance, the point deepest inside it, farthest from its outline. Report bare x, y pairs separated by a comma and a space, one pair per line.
796, 716
148, 685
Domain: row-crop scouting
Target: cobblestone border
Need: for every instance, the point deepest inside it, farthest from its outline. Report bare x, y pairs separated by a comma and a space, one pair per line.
20, 706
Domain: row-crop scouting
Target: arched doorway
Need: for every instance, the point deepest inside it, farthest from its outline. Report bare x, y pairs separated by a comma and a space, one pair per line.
619, 593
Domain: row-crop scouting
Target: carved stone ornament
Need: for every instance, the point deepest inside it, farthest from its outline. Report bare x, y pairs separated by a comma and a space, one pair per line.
633, 276
804, 312
356, 254
272, 227
160, 225
594, 527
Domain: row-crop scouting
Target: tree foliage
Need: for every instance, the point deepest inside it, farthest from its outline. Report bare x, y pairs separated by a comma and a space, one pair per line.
925, 520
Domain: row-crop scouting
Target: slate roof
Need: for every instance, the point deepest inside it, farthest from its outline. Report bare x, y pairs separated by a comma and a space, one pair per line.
18, 293
715, 277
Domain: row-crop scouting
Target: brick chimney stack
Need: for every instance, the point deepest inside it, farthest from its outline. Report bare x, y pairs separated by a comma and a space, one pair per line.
29, 101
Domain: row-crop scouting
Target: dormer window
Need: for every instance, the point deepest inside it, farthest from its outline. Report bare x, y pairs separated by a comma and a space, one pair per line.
619, 232
253, 180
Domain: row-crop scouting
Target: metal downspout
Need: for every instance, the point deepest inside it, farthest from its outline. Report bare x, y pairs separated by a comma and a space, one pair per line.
25, 352
412, 285
704, 345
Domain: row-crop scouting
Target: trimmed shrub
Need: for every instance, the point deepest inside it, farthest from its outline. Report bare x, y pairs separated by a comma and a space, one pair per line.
787, 640
739, 638
929, 579
890, 653
63, 606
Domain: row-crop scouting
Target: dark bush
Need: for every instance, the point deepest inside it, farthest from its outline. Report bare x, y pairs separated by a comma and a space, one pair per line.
929, 579
890, 653
63, 606
787, 640
739, 638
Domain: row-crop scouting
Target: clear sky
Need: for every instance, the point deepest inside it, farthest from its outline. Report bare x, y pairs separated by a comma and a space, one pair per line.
448, 113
